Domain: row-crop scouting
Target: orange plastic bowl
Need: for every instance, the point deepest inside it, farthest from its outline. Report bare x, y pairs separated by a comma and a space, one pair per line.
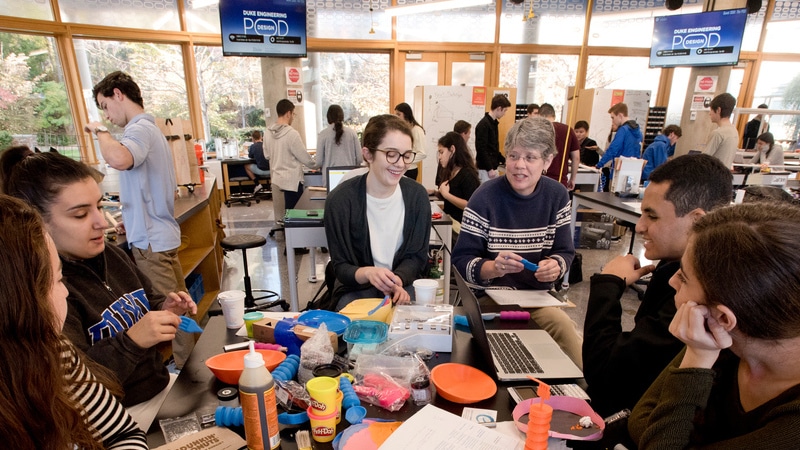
460, 383
227, 367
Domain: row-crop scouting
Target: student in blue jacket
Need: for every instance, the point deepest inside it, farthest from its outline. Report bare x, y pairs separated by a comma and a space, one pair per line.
662, 148
628, 140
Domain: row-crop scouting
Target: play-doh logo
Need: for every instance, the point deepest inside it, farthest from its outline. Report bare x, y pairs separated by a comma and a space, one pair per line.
324, 431
318, 405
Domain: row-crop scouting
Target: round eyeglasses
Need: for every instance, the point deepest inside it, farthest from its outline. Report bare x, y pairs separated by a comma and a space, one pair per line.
392, 156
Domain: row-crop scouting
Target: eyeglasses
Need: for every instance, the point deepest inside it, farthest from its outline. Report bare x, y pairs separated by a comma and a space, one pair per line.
392, 156
529, 158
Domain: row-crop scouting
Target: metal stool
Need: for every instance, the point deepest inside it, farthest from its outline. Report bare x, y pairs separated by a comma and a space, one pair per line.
243, 242
240, 196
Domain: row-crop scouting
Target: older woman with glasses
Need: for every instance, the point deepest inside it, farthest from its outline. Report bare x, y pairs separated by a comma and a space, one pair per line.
522, 215
378, 224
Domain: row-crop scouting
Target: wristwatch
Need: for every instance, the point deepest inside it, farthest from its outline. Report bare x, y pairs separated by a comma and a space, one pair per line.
99, 129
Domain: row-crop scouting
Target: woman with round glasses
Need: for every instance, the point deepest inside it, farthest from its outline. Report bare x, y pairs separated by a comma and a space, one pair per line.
522, 215
378, 224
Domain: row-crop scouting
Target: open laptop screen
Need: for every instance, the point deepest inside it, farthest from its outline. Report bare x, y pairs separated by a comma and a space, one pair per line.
335, 174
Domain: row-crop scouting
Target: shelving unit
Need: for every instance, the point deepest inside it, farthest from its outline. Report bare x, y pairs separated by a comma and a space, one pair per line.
198, 215
656, 121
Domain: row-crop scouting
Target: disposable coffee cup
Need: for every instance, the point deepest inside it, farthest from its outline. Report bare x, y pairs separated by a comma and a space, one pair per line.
232, 303
425, 291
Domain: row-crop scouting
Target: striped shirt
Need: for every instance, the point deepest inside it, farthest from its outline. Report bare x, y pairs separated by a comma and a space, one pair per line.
104, 414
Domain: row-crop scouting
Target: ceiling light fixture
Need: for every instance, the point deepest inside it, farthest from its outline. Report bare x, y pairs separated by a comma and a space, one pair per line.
371, 21
439, 5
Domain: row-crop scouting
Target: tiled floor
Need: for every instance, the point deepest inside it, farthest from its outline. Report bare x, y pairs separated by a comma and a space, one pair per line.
267, 265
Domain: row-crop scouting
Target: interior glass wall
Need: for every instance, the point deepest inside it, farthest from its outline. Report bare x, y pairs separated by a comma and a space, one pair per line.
557, 22
34, 109
147, 15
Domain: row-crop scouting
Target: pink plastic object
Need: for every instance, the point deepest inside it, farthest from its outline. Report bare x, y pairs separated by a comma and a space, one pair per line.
264, 346
383, 391
515, 315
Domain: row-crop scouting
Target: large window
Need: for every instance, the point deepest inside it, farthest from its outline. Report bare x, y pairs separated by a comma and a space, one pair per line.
474, 24
34, 109
156, 68
618, 23
621, 72
231, 94
148, 15
557, 22
779, 87
539, 78
782, 28
358, 82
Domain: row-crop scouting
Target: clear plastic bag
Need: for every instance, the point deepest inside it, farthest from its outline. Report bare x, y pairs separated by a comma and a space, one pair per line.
314, 352
382, 390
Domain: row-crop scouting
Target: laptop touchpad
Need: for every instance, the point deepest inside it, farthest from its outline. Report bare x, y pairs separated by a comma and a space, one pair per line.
547, 351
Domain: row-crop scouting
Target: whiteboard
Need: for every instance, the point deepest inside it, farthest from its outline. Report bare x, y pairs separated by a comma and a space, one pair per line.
439, 108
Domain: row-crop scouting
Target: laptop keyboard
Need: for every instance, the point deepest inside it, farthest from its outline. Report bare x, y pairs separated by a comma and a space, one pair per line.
512, 354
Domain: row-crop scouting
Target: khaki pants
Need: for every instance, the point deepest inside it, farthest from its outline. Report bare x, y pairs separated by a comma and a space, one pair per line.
165, 272
563, 330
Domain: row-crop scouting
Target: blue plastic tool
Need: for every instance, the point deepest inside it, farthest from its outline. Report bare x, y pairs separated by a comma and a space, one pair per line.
189, 325
529, 265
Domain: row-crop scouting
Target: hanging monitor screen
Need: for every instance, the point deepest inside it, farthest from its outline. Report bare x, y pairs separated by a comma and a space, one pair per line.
263, 28
711, 38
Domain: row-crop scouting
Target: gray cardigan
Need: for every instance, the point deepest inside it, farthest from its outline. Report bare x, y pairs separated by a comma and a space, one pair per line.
349, 240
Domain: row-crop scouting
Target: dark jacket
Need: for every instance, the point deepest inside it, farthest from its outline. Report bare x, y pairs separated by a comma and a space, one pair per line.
348, 234
619, 365
256, 152
487, 144
107, 295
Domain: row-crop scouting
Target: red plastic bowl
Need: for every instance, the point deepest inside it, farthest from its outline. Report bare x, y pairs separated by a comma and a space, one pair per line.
460, 383
228, 367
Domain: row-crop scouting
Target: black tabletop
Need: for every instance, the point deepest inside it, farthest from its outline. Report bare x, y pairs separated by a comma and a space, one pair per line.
196, 387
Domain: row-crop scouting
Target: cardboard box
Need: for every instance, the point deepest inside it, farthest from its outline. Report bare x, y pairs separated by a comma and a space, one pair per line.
264, 331
173, 130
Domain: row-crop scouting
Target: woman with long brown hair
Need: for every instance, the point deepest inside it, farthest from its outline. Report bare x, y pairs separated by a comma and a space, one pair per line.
50, 398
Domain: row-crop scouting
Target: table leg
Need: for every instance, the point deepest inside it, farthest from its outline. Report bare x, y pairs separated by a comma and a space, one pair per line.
290, 263
312, 266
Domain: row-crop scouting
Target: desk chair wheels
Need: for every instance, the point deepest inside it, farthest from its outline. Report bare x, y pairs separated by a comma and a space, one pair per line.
243, 242
240, 196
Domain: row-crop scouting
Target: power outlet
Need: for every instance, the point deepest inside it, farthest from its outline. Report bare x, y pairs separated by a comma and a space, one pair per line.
693, 115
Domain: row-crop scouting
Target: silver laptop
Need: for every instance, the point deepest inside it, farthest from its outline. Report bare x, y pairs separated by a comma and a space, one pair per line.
515, 354
335, 174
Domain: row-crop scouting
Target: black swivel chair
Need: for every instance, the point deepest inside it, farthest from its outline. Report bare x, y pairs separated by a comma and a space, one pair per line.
243, 242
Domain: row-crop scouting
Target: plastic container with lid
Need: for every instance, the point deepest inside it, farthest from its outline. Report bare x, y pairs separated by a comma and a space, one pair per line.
364, 337
336, 322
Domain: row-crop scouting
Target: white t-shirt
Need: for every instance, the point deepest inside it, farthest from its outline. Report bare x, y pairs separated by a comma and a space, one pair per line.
385, 217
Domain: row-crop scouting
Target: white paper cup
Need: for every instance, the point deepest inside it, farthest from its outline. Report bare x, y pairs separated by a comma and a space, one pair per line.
232, 303
425, 291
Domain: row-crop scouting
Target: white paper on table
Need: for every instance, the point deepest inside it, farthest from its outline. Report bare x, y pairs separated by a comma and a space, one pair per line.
434, 428
524, 297
635, 205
